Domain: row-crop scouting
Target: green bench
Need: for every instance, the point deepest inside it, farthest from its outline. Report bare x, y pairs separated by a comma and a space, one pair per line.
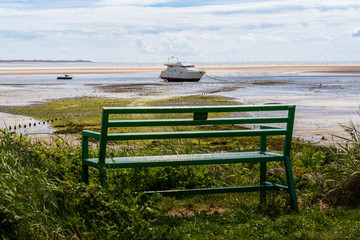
281, 118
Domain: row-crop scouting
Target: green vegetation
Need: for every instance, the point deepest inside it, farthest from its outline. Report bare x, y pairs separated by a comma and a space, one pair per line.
269, 83
73, 115
41, 196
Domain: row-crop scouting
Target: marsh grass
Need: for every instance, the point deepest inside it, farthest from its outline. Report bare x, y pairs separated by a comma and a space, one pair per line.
74, 115
42, 198
269, 83
344, 171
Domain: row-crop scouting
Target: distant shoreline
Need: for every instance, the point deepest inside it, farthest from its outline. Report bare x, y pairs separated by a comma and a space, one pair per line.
43, 61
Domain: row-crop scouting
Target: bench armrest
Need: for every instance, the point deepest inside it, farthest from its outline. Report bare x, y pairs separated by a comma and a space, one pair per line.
92, 134
85, 142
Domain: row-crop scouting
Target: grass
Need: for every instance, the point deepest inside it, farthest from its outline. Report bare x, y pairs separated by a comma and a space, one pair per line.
73, 115
269, 83
41, 196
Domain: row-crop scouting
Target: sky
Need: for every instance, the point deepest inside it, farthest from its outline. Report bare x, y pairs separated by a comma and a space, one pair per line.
202, 30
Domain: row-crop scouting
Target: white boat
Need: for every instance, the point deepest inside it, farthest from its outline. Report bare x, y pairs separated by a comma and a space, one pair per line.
178, 72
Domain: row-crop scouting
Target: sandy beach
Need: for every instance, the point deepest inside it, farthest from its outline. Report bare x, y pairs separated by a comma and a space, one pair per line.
321, 108
246, 70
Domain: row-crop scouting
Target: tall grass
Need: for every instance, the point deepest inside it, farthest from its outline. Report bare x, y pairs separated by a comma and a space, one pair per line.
344, 171
41, 196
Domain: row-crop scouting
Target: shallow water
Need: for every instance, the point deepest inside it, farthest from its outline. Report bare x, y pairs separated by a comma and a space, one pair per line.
323, 101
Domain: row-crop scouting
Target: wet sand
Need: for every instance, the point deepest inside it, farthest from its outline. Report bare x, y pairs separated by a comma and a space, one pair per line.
25, 125
318, 116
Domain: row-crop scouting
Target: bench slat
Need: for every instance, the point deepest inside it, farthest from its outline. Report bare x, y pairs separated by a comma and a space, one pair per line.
190, 122
196, 134
181, 109
186, 159
217, 190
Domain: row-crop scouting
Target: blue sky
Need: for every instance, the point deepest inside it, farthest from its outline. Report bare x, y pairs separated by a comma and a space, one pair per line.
203, 30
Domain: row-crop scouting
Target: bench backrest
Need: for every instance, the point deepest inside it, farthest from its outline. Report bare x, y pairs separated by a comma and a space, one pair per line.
199, 116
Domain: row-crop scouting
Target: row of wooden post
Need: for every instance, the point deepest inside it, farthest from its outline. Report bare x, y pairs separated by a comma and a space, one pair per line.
30, 124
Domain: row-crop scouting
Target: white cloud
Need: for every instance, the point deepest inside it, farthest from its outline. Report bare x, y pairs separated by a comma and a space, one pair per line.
146, 46
129, 2
356, 33
180, 45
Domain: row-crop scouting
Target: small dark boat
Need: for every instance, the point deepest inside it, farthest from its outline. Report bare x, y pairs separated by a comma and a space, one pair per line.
66, 76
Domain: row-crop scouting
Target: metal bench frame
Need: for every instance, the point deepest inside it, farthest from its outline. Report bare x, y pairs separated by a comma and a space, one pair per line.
200, 117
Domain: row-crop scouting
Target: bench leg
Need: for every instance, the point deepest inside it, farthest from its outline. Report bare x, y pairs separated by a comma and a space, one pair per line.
262, 170
85, 174
290, 180
262, 183
85, 155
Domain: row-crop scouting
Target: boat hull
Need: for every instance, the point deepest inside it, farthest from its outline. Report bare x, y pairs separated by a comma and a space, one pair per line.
181, 76
181, 79
65, 77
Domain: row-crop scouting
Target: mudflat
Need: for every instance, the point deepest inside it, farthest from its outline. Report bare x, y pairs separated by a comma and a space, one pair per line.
326, 96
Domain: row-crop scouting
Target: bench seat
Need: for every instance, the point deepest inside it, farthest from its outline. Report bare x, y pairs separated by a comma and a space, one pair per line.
186, 159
